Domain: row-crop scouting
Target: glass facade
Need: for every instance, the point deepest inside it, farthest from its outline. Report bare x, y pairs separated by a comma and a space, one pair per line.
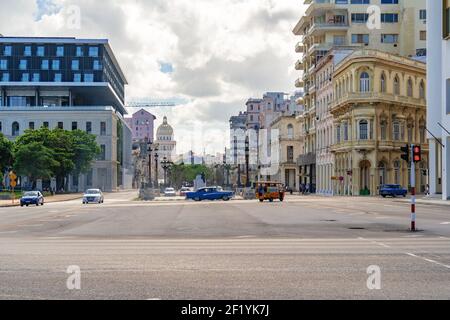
48, 62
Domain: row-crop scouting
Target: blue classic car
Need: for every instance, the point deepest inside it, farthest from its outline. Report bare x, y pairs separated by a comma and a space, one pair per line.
392, 190
209, 193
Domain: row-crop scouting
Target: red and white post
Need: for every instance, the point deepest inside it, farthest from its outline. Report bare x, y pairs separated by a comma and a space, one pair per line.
413, 190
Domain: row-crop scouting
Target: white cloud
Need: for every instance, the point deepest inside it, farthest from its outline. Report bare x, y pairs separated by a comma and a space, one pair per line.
222, 51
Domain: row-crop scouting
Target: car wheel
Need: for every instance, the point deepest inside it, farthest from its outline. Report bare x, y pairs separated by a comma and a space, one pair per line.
261, 200
37, 204
383, 195
271, 199
21, 205
197, 199
27, 205
42, 203
404, 196
226, 198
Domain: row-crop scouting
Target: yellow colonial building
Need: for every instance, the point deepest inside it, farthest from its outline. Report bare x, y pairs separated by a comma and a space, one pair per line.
379, 106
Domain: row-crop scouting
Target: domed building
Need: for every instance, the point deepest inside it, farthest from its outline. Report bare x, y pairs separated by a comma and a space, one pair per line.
166, 144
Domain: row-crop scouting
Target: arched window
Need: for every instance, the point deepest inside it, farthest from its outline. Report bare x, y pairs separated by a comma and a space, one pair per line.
383, 83
409, 88
363, 130
397, 173
345, 131
396, 85
410, 132
422, 133
383, 129
396, 130
364, 82
338, 134
382, 172
15, 129
422, 90
290, 131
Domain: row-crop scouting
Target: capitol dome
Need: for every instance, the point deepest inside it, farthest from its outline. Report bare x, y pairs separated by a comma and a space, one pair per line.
165, 129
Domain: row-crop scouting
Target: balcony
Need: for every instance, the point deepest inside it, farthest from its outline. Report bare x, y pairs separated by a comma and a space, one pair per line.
299, 48
359, 145
319, 28
377, 97
299, 65
318, 5
306, 159
299, 83
325, 46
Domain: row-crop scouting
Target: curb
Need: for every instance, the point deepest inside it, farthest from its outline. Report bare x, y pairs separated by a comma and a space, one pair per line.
17, 203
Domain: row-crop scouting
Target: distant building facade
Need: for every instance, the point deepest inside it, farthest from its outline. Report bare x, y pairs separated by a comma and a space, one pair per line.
142, 125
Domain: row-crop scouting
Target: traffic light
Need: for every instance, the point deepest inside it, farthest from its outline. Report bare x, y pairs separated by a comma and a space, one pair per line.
405, 152
417, 154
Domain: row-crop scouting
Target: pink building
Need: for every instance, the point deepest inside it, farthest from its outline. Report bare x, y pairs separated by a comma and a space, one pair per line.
142, 125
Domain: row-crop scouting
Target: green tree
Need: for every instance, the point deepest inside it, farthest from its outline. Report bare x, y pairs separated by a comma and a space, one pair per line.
73, 151
182, 173
35, 161
85, 150
6, 153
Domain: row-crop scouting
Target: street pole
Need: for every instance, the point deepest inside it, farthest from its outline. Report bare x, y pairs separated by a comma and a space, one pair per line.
413, 190
156, 168
150, 167
247, 169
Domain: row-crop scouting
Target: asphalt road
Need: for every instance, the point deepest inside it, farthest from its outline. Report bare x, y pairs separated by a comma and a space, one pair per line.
304, 248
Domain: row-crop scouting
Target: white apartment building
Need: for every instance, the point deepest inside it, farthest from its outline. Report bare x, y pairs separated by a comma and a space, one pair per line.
438, 115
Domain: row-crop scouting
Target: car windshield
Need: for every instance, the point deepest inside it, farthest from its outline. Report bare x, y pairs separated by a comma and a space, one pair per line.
93, 191
31, 194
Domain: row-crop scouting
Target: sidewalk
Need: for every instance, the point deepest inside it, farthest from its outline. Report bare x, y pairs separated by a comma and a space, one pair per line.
428, 200
56, 198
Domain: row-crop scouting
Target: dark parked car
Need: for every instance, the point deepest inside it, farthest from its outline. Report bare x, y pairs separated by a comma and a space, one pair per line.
32, 197
209, 193
392, 190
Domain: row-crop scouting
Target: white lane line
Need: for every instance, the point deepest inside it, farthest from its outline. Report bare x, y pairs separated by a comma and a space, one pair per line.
6, 232
445, 223
410, 254
153, 299
31, 225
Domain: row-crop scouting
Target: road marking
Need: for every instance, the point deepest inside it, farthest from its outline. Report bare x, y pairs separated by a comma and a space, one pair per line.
4, 232
153, 299
445, 223
31, 225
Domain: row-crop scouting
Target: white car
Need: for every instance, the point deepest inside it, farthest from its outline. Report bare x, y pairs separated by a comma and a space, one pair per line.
94, 196
170, 192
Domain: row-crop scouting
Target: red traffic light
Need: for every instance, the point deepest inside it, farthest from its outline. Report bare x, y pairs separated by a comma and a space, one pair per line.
417, 154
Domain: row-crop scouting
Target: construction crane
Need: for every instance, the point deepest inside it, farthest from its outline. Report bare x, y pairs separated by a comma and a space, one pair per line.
150, 103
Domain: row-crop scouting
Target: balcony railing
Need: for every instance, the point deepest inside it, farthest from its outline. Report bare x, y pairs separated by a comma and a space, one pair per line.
360, 97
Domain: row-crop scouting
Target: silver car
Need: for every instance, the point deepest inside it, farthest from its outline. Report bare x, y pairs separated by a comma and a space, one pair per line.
93, 196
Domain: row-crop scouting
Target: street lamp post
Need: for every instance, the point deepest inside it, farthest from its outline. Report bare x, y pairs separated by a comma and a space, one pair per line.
156, 149
247, 156
165, 164
150, 150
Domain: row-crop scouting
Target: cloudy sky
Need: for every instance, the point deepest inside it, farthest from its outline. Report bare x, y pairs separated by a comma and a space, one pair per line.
211, 54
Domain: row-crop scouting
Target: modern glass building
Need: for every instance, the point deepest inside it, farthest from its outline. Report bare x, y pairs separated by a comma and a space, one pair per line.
71, 84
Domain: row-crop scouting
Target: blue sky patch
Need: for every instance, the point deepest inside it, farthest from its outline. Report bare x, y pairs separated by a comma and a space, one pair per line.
45, 7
